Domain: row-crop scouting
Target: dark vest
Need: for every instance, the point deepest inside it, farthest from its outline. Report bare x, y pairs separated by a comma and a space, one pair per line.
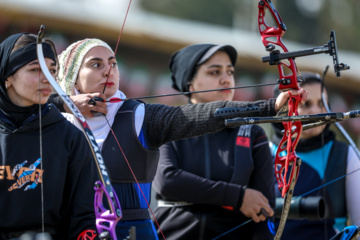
335, 194
142, 161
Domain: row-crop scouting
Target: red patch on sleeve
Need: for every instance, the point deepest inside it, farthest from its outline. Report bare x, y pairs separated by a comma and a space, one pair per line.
243, 141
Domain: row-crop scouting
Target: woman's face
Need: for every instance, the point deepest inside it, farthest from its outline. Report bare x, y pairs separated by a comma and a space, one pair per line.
217, 72
98, 71
28, 86
313, 105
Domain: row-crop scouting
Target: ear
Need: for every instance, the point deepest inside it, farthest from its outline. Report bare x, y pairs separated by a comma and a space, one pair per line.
76, 86
8, 82
191, 88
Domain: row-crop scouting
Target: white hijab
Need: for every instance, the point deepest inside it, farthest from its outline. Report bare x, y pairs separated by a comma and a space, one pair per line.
98, 125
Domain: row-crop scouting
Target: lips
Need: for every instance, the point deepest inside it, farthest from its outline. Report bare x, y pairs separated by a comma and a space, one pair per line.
46, 90
226, 90
109, 84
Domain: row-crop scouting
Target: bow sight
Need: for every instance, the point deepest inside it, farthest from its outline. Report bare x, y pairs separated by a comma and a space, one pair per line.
330, 48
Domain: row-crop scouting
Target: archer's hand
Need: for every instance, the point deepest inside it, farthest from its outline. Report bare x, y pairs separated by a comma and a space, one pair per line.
253, 202
284, 97
87, 107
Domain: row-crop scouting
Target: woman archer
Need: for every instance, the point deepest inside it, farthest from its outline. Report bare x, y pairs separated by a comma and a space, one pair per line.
41, 191
87, 67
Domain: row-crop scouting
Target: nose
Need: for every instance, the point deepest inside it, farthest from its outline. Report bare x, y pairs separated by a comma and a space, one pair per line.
225, 78
42, 77
315, 108
109, 71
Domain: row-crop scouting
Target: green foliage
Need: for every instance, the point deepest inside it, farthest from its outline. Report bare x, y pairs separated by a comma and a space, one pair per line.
305, 23
214, 12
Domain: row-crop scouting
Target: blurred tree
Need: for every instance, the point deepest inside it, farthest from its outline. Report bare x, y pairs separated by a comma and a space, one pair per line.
308, 21
311, 21
214, 12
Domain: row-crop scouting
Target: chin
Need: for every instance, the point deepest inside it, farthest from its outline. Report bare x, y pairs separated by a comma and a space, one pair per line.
311, 133
110, 92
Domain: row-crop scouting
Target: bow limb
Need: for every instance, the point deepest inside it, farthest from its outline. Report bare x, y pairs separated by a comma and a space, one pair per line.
338, 125
270, 37
105, 219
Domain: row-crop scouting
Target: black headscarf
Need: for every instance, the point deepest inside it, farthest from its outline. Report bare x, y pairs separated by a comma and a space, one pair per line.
13, 112
183, 63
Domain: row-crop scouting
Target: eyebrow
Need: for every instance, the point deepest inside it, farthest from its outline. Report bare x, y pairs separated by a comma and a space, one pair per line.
37, 62
217, 66
100, 59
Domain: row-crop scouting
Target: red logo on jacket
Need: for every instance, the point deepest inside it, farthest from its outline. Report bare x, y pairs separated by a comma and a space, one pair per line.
243, 141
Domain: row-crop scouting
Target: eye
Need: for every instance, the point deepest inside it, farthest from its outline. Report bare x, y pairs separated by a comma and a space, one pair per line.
113, 64
96, 65
34, 69
231, 72
53, 71
215, 72
307, 104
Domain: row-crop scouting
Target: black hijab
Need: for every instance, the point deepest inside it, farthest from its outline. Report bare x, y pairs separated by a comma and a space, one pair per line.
183, 63
13, 112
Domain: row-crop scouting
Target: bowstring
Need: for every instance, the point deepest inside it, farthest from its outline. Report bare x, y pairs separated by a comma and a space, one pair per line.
302, 195
137, 182
41, 157
201, 91
185, 93
306, 193
127, 162
324, 161
117, 44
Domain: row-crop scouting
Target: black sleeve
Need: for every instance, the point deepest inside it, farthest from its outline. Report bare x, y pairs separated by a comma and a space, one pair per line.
164, 124
81, 177
57, 101
262, 178
177, 184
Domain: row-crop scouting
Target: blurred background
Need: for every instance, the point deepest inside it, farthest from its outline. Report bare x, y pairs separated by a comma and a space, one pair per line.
154, 29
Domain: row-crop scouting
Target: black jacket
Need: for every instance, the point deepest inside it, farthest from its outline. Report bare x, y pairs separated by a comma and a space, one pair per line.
201, 171
67, 176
